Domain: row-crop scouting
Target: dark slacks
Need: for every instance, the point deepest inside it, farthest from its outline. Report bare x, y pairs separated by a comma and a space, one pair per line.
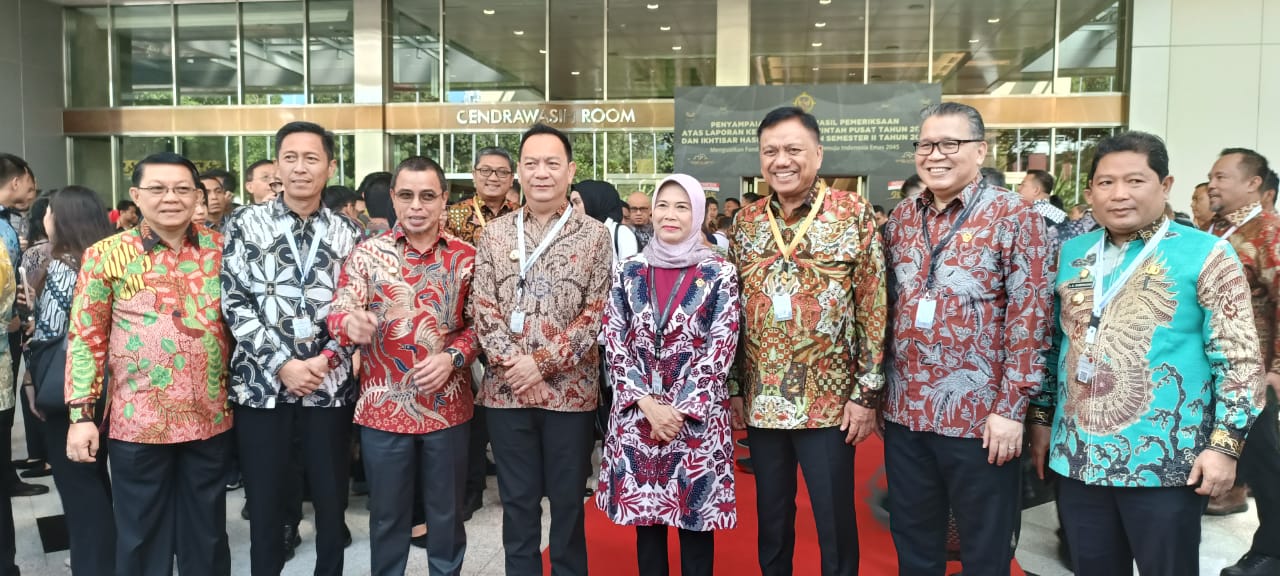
1110, 528
389, 466
85, 490
266, 451
8, 475
33, 426
697, 551
929, 474
477, 458
542, 453
1260, 467
827, 463
171, 502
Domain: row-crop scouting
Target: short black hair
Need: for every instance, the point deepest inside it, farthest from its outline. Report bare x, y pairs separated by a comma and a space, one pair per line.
11, 167
912, 181
977, 129
1044, 178
226, 177
123, 205
495, 151
301, 127
750, 197
734, 200
165, 158
337, 197
248, 174
1148, 145
541, 128
711, 200
780, 115
992, 177
1254, 164
1270, 182
420, 164
878, 209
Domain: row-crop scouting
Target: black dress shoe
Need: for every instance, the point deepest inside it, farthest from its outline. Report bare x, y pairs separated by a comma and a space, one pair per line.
346, 532
21, 489
244, 510
28, 464
473, 502
744, 464
1253, 564
235, 484
490, 469
37, 472
419, 541
743, 442
291, 538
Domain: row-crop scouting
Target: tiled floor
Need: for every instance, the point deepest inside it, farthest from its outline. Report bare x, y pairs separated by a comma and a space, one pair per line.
1225, 539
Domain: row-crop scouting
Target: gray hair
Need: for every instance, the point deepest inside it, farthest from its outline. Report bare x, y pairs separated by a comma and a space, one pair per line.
495, 151
976, 127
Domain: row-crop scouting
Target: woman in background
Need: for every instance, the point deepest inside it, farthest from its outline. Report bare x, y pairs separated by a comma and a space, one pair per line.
35, 259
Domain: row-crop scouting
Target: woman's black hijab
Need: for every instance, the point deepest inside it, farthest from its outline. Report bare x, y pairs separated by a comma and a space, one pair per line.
600, 200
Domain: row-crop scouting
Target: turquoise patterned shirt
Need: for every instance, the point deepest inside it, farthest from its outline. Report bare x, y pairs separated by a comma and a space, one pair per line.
1177, 364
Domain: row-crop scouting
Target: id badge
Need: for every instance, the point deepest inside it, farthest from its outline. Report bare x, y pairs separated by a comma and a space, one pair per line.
925, 312
782, 307
517, 322
1085, 370
657, 381
303, 328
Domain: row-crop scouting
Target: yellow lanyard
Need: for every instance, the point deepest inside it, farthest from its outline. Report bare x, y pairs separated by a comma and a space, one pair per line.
475, 205
788, 249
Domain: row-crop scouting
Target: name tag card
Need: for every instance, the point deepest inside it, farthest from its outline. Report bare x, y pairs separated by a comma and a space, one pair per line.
925, 312
517, 322
782, 307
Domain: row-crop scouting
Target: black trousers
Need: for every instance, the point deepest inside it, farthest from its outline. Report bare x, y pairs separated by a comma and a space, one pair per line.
929, 474
542, 453
33, 426
827, 463
697, 551
266, 440
8, 475
1260, 467
85, 490
477, 459
390, 467
1110, 528
176, 505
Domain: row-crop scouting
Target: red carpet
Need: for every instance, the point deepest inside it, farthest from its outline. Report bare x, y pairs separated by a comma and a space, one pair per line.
611, 548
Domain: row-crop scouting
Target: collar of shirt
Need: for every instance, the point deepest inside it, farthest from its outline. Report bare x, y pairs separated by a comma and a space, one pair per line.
1145, 233
801, 210
150, 239
398, 235
507, 207
280, 210
925, 200
1236, 217
559, 212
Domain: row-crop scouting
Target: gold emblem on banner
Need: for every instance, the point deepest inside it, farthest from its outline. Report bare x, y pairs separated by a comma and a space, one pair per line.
805, 102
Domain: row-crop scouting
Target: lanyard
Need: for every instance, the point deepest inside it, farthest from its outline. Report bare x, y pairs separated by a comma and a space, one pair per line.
475, 206
664, 316
1103, 297
527, 263
787, 250
1252, 214
936, 250
304, 266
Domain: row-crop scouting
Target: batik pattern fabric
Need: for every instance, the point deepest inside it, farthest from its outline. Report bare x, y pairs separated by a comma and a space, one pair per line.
9, 235
268, 299
688, 482
984, 353
799, 373
419, 299
1065, 231
150, 316
35, 261
54, 302
564, 298
461, 219
1177, 369
8, 293
1048, 211
1257, 243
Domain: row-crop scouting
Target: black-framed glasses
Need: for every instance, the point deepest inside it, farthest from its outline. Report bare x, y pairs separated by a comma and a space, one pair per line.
485, 172
947, 147
161, 190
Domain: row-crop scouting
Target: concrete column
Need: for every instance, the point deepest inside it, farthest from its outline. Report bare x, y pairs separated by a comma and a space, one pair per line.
733, 42
370, 20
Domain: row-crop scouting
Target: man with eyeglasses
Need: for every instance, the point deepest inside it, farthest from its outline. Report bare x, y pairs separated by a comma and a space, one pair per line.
638, 218
969, 291
147, 314
219, 186
263, 184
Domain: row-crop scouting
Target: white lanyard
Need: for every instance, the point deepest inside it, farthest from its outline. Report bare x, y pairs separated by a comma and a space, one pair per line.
1100, 297
304, 266
527, 263
1252, 214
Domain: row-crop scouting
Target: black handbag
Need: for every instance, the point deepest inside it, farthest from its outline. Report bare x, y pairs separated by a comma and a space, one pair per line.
48, 373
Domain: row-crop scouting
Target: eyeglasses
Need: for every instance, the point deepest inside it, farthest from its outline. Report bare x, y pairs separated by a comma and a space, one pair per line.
947, 147
638, 208
161, 190
277, 185
485, 172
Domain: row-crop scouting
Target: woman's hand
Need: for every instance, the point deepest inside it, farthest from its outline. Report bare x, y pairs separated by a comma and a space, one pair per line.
665, 420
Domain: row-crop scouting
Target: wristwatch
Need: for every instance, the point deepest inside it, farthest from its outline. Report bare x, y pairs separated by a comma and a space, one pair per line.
459, 360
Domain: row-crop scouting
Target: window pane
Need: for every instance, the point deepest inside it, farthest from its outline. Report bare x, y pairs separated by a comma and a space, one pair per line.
899, 40
332, 51
584, 155
459, 148
415, 51
784, 33
91, 164
646, 61
209, 152
272, 53
259, 148
577, 49
511, 143
345, 153
642, 153
207, 54
87, 63
1092, 36
133, 150
978, 50
666, 152
619, 153
144, 68
497, 56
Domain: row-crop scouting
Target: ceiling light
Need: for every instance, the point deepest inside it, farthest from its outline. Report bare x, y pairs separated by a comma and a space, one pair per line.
824, 2
541, 51
665, 28
816, 44
892, 47
993, 20
489, 11
651, 6
815, 68
852, 74
819, 24
677, 48
575, 73
916, 7
518, 32
974, 40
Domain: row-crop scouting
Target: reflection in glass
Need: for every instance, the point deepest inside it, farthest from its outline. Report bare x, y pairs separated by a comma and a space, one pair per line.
87, 63
207, 59
133, 149
345, 153
91, 164
495, 54
651, 52
332, 51
783, 34
1091, 41
209, 152
144, 50
899, 40
1074, 153
415, 51
993, 51
273, 63
576, 57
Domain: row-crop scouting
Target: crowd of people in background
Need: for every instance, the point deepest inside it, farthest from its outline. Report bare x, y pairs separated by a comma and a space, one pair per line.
197, 345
